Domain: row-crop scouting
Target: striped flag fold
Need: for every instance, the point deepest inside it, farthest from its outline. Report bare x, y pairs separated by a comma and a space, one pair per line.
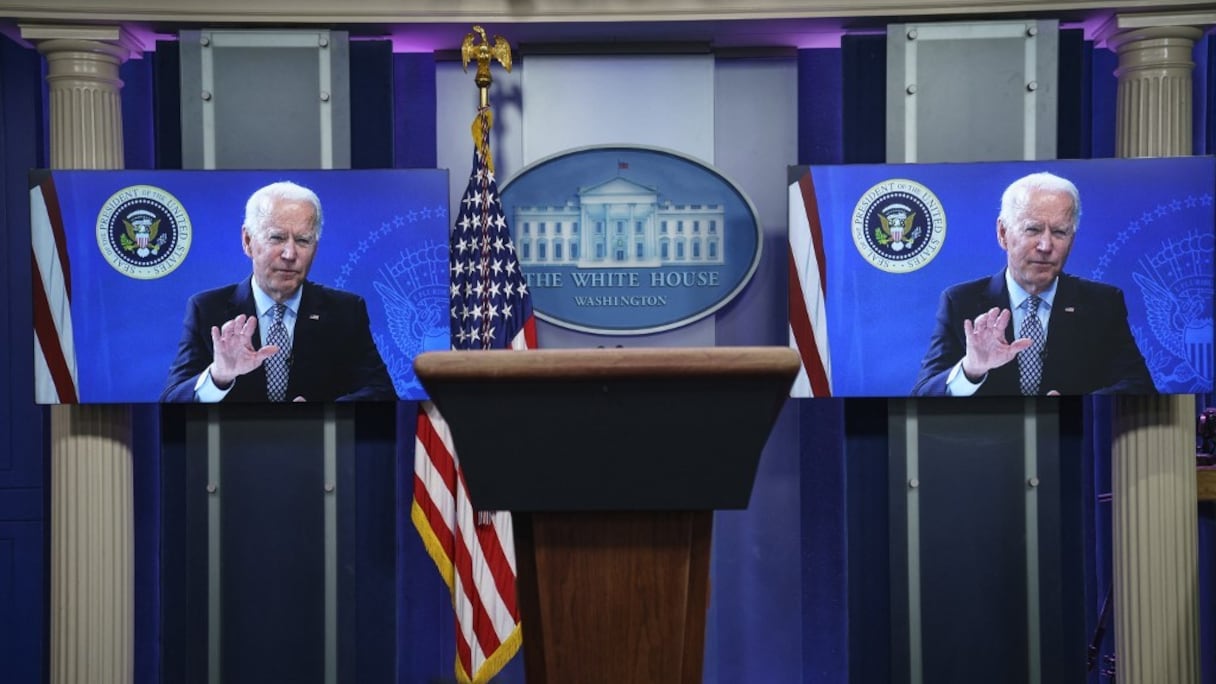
474, 551
55, 379
807, 292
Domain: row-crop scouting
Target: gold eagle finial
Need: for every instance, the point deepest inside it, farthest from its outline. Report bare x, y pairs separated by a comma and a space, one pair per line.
484, 53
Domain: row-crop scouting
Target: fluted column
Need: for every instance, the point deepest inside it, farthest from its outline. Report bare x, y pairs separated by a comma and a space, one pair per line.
92, 529
1154, 498
1153, 118
92, 546
1156, 571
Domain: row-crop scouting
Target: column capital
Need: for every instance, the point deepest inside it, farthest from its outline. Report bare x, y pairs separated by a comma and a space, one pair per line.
1121, 29
114, 40
83, 83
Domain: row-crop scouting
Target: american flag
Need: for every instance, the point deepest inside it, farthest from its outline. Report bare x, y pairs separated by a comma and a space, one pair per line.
808, 287
475, 551
54, 351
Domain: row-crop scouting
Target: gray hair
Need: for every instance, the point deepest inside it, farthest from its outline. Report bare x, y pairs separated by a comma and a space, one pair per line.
260, 203
1016, 197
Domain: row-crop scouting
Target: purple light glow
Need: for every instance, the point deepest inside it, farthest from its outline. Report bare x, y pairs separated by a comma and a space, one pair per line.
421, 41
1091, 25
147, 37
795, 33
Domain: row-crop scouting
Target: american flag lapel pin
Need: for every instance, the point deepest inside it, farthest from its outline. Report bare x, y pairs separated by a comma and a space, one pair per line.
1070, 309
314, 317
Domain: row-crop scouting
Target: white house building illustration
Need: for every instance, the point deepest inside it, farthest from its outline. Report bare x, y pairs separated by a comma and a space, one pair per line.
619, 223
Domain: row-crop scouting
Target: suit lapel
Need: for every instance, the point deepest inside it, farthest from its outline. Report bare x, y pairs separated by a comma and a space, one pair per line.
1062, 328
1003, 380
997, 294
252, 387
310, 328
242, 302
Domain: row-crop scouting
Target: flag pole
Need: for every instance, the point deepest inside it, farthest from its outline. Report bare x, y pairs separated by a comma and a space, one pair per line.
491, 308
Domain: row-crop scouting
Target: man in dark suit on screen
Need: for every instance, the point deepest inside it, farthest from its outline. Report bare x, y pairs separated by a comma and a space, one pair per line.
317, 344
1072, 334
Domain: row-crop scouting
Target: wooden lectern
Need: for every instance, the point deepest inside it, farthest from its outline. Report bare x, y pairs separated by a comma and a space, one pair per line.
612, 461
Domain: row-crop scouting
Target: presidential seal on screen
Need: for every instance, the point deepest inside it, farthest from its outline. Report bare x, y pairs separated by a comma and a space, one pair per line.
143, 232
899, 225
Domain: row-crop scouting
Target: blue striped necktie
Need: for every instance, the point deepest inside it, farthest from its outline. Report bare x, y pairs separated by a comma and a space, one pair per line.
1030, 359
276, 366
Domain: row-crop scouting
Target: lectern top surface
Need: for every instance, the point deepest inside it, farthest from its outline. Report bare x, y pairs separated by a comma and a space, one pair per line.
556, 364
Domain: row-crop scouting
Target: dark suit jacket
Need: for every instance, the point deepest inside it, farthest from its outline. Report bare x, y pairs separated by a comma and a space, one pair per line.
333, 357
1090, 348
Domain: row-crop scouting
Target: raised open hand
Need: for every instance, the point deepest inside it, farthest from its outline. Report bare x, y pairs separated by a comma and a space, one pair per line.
986, 345
234, 352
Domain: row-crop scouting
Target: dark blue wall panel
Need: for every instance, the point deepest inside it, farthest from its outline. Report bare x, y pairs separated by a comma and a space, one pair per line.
1202, 100
864, 121
1208, 123
414, 99
272, 564
1074, 103
179, 567
371, 125
426, 627
1064, 548
1103, 90
824, 543
821, 427
139, 135
1207, 591
868, 556
138, 123
755, 625
22, 600
146, 495
167, 105
368, 636
820, 94
23, 501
